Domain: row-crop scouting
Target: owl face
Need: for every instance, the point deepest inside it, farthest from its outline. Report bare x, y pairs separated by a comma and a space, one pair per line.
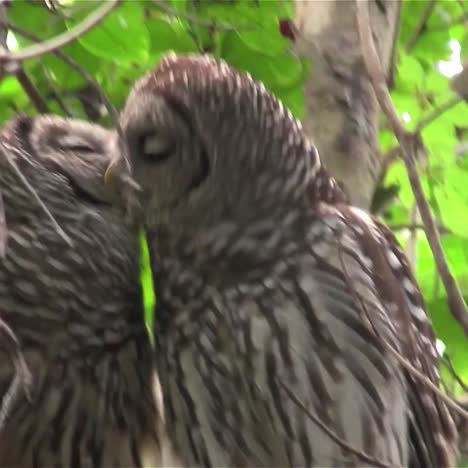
71, 148
207, 144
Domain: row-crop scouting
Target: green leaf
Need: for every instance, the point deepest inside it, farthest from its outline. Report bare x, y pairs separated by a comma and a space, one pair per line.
396, 174
293, 99
452, 336
435, 82
452, 197
444, 14
170, 34
34, 18
410, 74
457, 115
456, 254
464, 45
440, 140
287, 71
405, 102
256, 23
242, 57
122, 36
283, 75
12, 97
433, 46
457, 32
62, 74
387, 140
146, 280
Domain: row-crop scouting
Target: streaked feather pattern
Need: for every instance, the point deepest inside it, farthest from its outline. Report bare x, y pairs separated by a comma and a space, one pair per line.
75, 310
277, 301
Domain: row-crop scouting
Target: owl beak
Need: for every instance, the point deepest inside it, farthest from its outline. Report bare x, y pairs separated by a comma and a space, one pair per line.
123, 189
119, 169
110, 177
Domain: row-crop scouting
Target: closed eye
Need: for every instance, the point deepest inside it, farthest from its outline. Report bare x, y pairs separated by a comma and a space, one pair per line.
156, 147
79, 148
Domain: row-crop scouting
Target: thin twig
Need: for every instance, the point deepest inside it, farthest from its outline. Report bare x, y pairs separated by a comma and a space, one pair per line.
391, 69
85, 75
33, 192
410, 226
401, 359
161, 5
23, 79
22, 374
389, 158
460, 19
449, 364
409, 143
436, 113
421, 26
51, 45
453, 405
362, 455
393, 153
32, 92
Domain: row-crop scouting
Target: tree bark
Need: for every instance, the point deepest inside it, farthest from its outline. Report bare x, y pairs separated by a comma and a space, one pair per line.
3, 28
342, 113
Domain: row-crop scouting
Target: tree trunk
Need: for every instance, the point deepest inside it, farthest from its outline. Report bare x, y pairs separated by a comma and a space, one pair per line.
3, 28
342, 113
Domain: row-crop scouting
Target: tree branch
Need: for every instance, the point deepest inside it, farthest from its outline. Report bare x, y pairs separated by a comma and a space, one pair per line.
63, 39
436, 113
30, 89
22, 77
393, 153
409, 144
75, 66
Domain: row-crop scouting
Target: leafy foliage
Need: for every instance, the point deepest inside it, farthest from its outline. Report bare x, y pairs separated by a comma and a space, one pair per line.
247, 33
420, 91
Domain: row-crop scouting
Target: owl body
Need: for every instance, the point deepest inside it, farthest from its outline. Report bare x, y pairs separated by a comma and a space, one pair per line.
74, 307
288, 323
254, 371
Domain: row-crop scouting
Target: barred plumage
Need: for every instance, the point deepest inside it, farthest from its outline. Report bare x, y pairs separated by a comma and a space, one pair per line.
277, 301
75, 310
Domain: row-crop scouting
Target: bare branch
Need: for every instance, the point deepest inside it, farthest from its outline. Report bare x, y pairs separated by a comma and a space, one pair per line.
32, 92
459, 20
362, 455
452, 404
410, 226
436, 113
23, 79
93, 84
409, 143
63, 39
86, 76
413, 371
449, 365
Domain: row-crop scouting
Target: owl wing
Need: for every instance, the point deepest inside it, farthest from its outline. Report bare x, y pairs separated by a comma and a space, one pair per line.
432, 431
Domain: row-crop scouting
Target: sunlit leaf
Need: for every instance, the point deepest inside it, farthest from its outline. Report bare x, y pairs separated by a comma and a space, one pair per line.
122, 36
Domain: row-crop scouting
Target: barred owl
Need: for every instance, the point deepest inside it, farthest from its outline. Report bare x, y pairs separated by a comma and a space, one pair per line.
278, 302
74, 306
